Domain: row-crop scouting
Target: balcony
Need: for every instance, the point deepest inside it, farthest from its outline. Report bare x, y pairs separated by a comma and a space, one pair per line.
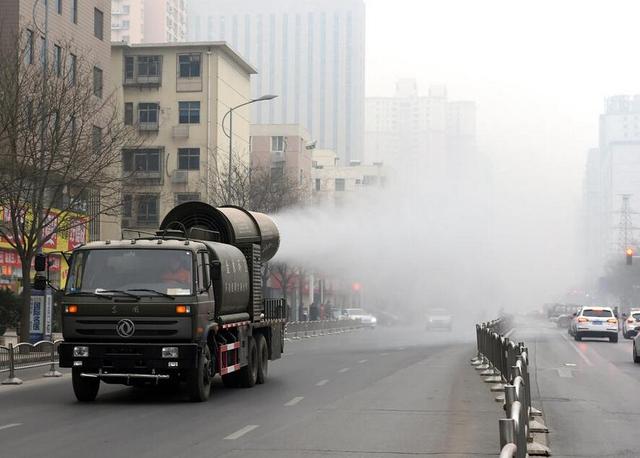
137, 179
148, 126
142, 80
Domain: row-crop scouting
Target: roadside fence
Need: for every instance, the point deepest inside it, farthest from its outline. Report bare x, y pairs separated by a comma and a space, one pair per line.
505, 364
27, 356
304, 329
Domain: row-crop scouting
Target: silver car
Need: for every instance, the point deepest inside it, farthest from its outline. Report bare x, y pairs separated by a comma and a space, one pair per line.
367, 319
631, 324
439, 319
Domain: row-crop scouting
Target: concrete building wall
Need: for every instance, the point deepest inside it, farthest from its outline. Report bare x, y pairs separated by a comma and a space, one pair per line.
223, 83
310, 53
149, 21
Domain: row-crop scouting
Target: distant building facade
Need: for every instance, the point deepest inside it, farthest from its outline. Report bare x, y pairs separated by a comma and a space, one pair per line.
421, 136
176, 95
612, 171
284, 150
149, 21
309, 52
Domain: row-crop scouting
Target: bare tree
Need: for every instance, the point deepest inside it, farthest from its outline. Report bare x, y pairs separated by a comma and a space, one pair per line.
60, 140
259, 188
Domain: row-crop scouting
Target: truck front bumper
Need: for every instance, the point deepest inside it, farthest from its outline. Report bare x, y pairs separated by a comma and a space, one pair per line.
129, 358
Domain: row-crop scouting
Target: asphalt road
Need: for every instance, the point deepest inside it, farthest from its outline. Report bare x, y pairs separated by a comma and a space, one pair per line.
391, 392
589, 391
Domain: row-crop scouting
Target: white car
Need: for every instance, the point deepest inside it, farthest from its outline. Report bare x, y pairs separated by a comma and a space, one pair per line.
365, 318
595, 322
631, 324
439, 319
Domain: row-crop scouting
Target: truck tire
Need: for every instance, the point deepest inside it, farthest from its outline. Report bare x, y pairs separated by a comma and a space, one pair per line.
199, 379
248, 375
85, 388
636, 358
263, 359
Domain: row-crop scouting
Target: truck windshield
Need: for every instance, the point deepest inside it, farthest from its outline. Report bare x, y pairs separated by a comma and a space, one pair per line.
166, 271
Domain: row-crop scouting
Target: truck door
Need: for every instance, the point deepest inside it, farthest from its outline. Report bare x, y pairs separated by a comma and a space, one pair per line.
205, 288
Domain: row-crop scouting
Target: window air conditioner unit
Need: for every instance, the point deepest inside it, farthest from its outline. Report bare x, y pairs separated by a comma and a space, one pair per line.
180, 177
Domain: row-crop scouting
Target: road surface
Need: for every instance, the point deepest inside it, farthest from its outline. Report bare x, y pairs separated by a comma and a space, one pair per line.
390, 392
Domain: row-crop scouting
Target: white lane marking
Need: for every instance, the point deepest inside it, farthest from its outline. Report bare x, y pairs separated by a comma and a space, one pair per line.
362, 361
343, 370
570, 364
241, 432
294, 401
578, 351
563, 372
510, 332
11, 425
384, 354
322, 382
401, 348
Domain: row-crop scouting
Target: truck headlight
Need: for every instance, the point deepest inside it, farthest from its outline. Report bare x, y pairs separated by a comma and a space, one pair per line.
169, 352
80, 352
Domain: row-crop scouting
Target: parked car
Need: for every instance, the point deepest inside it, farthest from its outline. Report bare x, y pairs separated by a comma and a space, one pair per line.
438, 318
566, 314
365, 318
631, 324
595, 322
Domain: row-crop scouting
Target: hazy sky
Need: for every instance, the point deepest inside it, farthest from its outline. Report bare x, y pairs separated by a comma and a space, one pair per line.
539, 71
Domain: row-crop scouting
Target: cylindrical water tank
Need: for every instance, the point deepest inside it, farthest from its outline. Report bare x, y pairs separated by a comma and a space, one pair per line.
236, 225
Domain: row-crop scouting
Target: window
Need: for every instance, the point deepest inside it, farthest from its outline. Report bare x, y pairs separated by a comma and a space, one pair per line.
73, 66
96, 139
183, 197
189, 65
597, 313
125, 9
339, 184
148, 113
318, 184
141, 160
74, 11
127, 201
59, 6
128, 114
188, 158
29, 50
98, 23
57, 59
29, 113
147, 210
43, 54
125, 25
73, 127
189, 112
203, 267
277, 144
148, 65
97, 82
128, 67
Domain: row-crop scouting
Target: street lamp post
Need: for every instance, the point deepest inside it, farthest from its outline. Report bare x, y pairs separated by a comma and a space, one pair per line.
230, 134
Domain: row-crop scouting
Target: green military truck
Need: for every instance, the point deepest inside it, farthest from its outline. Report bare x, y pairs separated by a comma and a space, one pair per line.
174, 307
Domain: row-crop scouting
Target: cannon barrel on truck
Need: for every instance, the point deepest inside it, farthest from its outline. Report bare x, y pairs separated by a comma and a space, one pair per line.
177, 306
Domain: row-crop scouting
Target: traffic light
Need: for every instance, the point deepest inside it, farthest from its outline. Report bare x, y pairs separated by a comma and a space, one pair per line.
629, 253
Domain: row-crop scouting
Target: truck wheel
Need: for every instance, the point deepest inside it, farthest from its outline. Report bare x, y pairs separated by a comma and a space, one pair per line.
248, 375
263, 359
85, 388
199, 379
636, 358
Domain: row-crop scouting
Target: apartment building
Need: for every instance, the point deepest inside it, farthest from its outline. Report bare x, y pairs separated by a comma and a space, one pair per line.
334, 183
149, 21
176, 95
284, 149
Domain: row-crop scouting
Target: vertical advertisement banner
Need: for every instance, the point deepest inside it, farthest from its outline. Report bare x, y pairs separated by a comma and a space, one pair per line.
36, 320
48, 315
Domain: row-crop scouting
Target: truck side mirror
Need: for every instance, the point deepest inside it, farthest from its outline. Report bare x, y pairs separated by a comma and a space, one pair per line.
40, 262
216, 270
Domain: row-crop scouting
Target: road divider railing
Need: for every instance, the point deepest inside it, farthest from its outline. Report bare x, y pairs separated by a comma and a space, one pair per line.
304, 329
28, 356
505, 365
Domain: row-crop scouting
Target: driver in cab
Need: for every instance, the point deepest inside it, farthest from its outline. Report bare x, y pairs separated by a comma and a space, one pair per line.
179, 272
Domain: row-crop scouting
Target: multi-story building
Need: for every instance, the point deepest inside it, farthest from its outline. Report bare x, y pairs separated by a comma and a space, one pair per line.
612, 172
421, 136
149, 21
177, 96
283, 149
310, 53
334, 183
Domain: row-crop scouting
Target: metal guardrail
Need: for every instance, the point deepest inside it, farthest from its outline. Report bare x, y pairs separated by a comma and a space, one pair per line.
27, 356
304, 329
506, 365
